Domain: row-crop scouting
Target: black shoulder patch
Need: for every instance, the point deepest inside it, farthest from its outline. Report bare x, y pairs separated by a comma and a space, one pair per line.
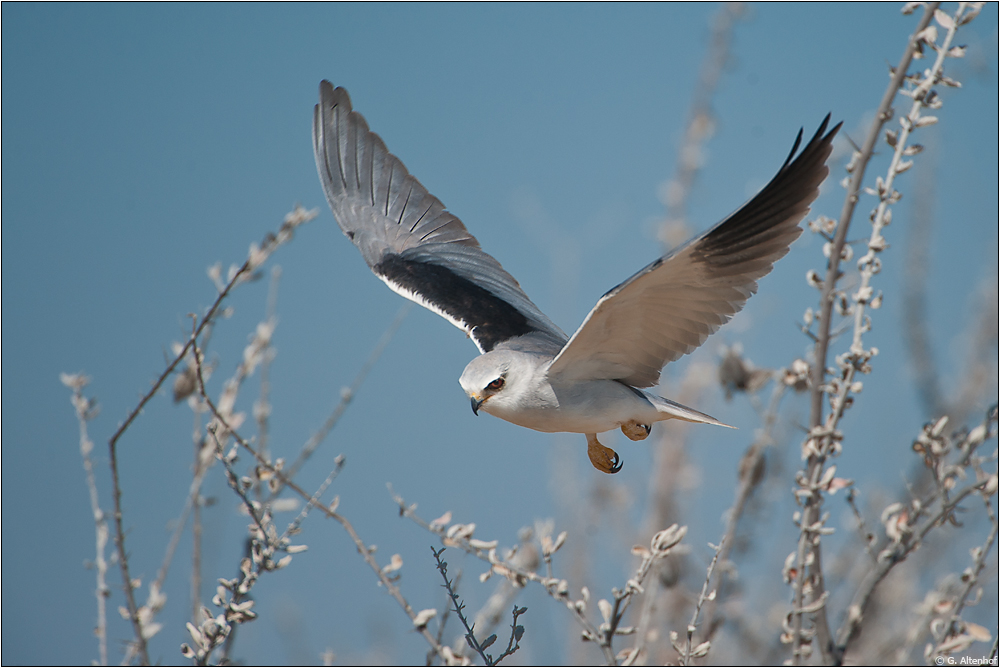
490, 319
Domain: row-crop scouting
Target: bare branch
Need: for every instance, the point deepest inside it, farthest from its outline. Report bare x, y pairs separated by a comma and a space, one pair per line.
702, 649
478, 646
824, 437
86, 409
889, 559
258, 254
329, 511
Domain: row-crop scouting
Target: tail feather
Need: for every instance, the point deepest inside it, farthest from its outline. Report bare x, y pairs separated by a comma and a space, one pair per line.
673, 410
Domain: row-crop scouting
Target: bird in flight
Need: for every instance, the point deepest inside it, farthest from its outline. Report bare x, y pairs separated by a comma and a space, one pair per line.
529, 372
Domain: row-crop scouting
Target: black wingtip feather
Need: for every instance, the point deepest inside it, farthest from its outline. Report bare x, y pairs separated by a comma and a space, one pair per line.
783, 202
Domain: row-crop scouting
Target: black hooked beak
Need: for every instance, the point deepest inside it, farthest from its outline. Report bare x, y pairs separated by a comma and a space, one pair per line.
475, 405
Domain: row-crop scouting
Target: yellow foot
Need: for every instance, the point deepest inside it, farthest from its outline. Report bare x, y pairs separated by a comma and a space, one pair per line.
604, 459
635, 430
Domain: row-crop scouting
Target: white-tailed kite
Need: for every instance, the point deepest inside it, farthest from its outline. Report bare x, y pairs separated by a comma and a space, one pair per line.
530, 373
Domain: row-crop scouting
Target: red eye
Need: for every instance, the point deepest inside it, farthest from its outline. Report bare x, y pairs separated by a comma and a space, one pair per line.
495, 385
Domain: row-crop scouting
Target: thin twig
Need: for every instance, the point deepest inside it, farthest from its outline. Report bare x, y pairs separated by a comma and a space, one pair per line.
971, 579
349, 392
362, 548
506, 592
293, 526
916, 266
86, 409
460, 536
248, 575
442, 624
262, 407
386, 582
888, 560
470, 633
810, 515
833, 274
866, 536
257, 256
751, 475
196, 526
702, 649
190, 502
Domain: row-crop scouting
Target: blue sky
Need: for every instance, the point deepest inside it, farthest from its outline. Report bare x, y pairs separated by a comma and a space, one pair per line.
144, 143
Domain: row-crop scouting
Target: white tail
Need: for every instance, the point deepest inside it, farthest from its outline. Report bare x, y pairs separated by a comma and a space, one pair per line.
673, 410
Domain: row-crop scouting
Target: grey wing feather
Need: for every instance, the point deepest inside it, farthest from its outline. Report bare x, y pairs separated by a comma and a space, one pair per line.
376, 202
408, 238
670, 307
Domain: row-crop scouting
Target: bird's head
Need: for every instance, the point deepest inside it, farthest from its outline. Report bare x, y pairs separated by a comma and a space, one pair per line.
486, 377
498, 380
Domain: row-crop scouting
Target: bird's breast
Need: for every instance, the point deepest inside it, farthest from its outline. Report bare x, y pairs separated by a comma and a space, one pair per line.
588, 407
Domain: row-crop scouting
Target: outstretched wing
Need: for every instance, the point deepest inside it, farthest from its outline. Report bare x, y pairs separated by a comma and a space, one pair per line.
406, 236
670, 307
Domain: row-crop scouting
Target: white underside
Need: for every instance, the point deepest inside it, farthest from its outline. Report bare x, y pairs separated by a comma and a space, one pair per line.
589, 407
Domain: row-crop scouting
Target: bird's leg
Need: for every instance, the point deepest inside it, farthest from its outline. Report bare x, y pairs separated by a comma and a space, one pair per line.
636, 431
604, 459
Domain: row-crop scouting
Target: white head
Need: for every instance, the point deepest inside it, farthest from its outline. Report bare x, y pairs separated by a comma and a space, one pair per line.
496, 381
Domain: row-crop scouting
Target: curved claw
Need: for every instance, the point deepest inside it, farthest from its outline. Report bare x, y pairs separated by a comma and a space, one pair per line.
604, 459
636, 431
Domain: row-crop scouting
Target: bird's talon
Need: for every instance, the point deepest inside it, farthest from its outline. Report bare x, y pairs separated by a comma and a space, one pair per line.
604, 459
636, 431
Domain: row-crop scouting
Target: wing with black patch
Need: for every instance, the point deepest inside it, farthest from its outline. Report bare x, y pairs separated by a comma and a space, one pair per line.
671, 306
407, 237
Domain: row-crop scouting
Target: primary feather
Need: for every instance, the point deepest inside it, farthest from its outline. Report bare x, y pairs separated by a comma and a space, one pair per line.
671, 306
409, 239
